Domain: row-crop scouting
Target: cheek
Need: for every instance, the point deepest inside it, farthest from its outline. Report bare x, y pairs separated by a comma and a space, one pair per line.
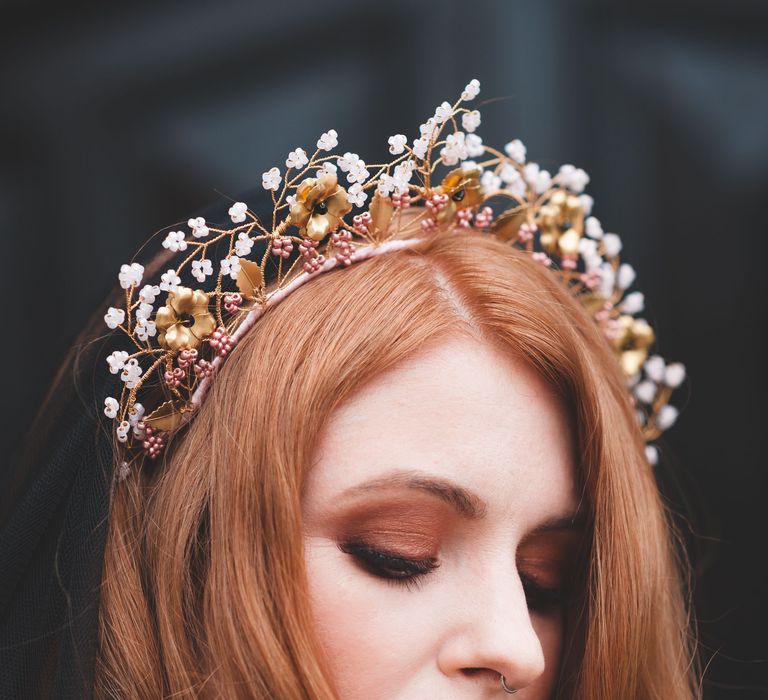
365, 626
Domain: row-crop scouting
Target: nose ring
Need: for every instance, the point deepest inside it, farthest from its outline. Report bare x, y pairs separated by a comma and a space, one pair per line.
505, 687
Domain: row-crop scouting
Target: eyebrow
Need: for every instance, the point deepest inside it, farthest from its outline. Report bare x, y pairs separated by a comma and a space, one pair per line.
466, 503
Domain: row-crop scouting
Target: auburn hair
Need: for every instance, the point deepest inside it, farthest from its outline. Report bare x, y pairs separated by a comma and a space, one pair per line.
204, 588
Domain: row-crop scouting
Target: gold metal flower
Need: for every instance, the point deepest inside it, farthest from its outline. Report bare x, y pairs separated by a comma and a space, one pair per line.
320, 204
561, 221
632, 342
463, 190
185, 320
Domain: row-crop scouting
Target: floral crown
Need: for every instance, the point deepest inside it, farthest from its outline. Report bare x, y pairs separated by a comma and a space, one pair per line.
177, 348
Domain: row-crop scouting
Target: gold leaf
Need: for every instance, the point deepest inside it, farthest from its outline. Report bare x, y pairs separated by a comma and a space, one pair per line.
249, 279
166, 417
507, 224
381, 211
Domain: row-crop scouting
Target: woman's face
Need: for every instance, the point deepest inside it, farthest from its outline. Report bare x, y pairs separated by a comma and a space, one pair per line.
440, 529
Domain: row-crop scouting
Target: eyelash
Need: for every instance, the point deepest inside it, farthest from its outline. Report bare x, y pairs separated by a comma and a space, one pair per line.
395, 570
411, 574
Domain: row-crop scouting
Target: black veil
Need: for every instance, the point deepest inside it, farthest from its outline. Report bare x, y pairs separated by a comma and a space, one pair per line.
54, 509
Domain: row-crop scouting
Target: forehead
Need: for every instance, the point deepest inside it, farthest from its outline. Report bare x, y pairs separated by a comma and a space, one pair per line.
463, 411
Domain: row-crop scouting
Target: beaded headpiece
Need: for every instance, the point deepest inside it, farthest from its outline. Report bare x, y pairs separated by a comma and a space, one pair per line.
180, 335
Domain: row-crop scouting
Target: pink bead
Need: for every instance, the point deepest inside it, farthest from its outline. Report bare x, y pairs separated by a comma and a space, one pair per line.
232, 302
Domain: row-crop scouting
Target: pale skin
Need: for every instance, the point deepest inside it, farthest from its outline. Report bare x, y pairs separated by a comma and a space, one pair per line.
463, 457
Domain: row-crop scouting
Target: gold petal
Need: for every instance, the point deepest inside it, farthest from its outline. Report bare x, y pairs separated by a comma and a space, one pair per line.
642, 333
569, 242
182, 300
299, 215
166, 417
165, 318
304, 188
506, 225
250, 278
632, 361
452, 179
548, 242
318, 227
338, 204
203, 326
321, 190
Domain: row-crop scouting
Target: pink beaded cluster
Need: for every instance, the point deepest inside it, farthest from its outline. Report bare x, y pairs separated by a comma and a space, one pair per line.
154, 441
221, 341
282, 247
313, 260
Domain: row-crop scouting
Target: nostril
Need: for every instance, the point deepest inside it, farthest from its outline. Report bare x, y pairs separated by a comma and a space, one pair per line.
476, 672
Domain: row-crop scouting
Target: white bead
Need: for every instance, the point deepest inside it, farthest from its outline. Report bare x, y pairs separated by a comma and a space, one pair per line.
666, 417
612, 244
654, 368
674, 375
626, 275
646, 391
652, 455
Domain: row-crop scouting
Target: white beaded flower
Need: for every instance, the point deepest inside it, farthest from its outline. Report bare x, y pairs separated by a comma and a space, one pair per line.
540, 180
130, 275
243, 244
356, 196
516, 151
145, 329
471, 91
474, 144
397, 143
169, 281
455, 148
470, 120
114, 317
420, 147
402, 176
199, 229
230, 266
149, 293
490, 182
326, 168
575, 179
131, 373
175, 241
111, 406
117, 360
271, 179
443, 113
386, 185
296, 159
237, 212
201, 269
328, 140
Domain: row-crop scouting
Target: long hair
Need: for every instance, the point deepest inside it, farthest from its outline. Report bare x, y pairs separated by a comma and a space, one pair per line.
204, 589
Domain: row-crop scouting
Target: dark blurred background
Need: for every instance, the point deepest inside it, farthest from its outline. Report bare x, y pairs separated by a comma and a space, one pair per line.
116, 121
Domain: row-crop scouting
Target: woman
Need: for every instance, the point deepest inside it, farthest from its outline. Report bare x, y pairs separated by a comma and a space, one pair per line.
419, 477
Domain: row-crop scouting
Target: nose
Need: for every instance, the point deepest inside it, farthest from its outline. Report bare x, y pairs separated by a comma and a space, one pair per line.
491, 634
